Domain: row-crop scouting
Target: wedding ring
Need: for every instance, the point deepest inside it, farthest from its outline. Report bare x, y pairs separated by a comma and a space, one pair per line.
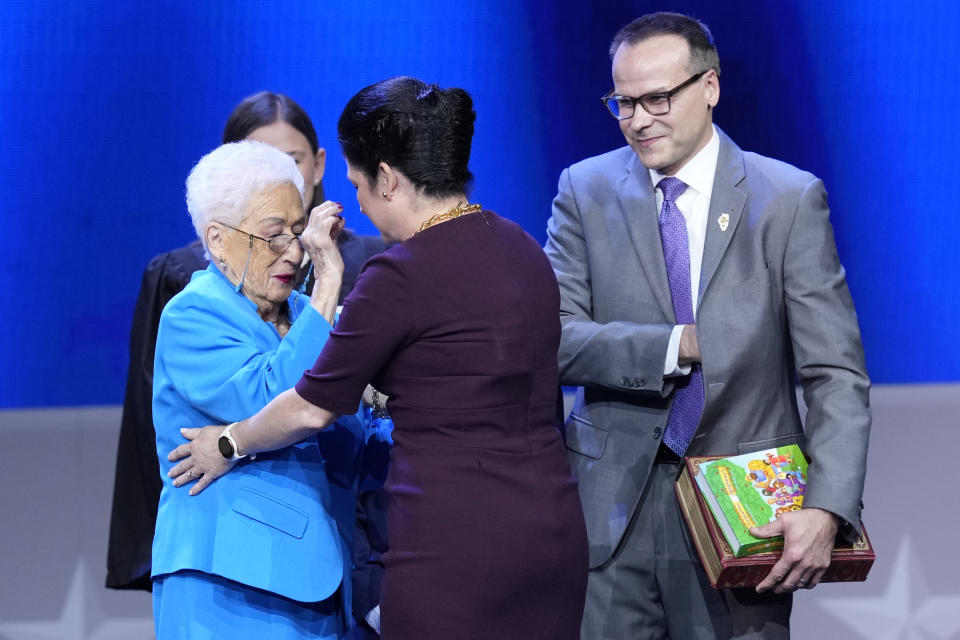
192, 473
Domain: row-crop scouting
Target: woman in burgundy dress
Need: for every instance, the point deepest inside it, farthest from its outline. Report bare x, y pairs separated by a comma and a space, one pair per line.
458, 323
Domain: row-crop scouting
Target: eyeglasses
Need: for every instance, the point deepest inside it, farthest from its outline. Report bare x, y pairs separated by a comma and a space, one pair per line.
278, 243
656, 103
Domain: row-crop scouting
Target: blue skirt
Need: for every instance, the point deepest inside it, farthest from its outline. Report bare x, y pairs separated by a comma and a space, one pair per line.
197, 605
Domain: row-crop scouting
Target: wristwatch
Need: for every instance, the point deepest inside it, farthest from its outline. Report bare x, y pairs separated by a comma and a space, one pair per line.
228, 445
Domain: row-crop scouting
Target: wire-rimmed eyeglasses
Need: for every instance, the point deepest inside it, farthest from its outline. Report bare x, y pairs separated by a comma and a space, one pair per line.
656, 103
278, 243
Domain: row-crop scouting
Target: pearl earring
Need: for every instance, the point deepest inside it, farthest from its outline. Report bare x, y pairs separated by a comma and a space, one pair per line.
222, 263
384, 194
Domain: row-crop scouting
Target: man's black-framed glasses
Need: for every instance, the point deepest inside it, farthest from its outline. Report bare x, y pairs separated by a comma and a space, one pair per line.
656, 103
278, 243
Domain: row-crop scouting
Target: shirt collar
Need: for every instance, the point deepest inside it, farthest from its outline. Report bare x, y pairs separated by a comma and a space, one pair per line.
699, 171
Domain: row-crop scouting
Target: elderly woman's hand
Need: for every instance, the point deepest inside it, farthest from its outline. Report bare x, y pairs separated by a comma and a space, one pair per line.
319, 240
320, 237
200, 459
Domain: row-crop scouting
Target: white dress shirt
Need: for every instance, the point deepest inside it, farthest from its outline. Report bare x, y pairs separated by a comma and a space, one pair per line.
694, 205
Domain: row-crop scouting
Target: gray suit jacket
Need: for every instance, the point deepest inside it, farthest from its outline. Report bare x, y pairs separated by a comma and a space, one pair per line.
774, 308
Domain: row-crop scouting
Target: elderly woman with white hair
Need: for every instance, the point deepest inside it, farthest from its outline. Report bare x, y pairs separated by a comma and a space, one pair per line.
260, 554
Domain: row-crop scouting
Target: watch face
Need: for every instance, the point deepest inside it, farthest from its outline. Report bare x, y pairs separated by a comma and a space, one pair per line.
226, 448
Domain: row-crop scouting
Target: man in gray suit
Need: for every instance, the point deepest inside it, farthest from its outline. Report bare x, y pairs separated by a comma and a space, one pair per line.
698, 283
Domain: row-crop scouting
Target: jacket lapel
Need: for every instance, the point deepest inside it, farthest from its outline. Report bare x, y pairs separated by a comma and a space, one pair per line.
638, 205
726, 208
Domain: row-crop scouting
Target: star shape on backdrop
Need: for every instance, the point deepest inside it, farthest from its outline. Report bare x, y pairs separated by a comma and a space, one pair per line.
81, 618
906, 610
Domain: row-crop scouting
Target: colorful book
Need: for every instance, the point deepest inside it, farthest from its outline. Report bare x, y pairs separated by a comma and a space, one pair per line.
751, 490
848, 562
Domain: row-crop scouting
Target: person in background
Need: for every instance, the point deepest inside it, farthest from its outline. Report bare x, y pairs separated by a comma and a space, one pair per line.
698, 282
370, 541
265, 553
268, 117
458, 323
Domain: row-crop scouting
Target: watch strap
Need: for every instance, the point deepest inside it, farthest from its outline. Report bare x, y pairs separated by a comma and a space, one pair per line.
225, 434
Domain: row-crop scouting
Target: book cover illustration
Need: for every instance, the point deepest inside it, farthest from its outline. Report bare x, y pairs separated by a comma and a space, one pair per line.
848, 562
751, 490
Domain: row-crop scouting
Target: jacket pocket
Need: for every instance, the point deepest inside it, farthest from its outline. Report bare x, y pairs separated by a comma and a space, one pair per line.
584, 437
273, 513
798, 438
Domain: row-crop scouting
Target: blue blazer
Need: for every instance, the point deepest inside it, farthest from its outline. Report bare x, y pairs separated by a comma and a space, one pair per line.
276, 523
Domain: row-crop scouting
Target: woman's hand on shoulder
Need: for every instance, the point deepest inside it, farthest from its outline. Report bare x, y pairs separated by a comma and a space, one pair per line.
200, 459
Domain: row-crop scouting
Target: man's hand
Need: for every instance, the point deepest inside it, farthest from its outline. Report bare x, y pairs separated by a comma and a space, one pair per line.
808, 539
200, 459
689, 346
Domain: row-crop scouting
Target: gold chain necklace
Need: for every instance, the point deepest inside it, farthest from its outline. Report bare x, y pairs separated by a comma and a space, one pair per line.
450, 214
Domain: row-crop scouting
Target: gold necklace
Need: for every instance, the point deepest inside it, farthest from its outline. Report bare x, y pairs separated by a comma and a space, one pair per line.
450, 214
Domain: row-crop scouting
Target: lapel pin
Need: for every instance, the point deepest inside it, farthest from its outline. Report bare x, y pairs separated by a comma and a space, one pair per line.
723, 221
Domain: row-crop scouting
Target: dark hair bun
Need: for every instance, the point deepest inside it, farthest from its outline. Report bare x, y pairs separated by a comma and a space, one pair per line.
421, 130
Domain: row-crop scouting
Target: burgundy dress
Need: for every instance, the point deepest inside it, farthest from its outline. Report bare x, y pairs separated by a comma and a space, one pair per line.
460, 326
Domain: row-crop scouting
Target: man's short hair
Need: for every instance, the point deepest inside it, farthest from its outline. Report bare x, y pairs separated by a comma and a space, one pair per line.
703, 50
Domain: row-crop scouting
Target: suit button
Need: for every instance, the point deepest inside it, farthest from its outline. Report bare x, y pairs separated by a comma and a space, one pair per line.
656, 432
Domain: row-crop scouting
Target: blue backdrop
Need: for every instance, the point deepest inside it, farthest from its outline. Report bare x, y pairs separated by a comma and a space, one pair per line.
105, 106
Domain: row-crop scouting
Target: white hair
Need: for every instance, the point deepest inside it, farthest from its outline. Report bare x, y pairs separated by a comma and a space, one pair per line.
222, 184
